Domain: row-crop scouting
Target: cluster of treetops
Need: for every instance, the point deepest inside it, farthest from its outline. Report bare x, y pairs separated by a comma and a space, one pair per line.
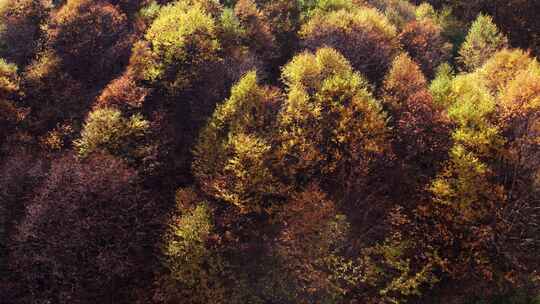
269, 151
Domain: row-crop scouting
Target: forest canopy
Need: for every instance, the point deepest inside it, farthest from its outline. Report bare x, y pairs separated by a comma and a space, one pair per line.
270, 151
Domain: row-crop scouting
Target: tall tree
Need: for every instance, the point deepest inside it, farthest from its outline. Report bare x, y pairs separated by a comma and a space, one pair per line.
420, 137
331, 128
233, 155
482, 41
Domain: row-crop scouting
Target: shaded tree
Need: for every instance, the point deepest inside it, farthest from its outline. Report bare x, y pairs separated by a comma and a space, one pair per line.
452, 29
180, 59
396, 269
312, 243
52, 95
239, 58
22, 172
22, 34
340, 174
284, 18
420, 136
259, 36
467, 199
87, 236
425, 44
516, 18
123, 93
90, 38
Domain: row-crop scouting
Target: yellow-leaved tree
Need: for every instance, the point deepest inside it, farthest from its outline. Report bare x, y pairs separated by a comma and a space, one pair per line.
234, 152
331, 127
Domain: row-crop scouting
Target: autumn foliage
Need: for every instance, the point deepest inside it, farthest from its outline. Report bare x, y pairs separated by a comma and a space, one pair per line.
257, 151
364, 36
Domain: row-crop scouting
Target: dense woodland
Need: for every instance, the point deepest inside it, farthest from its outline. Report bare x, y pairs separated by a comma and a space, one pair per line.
270, 151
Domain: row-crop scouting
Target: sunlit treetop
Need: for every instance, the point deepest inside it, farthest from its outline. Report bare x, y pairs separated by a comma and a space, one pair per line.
308, 70
364, 18
329, 110
503, 66
10, 115
441, 86
482, 41
247, 109
182, 41
232, 153
425, 11
521, 97
311, 7
106, 130
403, 80
473, 109
174, 24
470, 92
176, 13
9, 81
